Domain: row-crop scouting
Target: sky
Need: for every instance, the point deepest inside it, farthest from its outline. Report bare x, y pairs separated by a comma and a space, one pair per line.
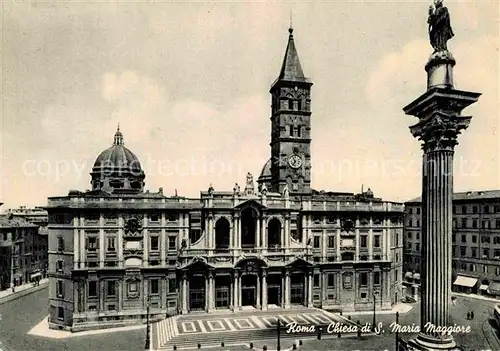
188, 83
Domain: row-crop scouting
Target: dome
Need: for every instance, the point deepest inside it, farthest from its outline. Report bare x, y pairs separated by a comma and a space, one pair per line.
266, 170
265, 176
117, 168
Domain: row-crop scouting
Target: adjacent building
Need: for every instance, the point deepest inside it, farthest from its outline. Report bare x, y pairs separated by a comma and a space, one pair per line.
476, 242
116, 249
20, 246
37, 216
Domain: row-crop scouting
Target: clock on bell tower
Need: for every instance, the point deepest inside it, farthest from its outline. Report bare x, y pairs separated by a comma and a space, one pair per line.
291, 126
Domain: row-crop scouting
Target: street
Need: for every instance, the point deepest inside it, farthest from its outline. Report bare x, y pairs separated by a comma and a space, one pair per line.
19, 316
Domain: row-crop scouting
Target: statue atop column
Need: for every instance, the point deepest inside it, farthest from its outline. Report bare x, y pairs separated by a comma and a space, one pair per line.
440, 30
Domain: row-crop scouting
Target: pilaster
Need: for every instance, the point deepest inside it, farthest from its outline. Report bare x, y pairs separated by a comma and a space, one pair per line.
145, 242
101, 241
184, 294
258, 292
163, 238
119, 240
76, 243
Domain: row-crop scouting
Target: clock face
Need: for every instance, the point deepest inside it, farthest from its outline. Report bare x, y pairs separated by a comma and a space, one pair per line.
295, 161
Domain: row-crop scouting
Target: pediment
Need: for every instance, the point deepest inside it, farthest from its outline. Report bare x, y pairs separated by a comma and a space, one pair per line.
251, 203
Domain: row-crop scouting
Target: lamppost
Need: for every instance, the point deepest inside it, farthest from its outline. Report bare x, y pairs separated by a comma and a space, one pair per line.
374, 296
146, 347
278, 330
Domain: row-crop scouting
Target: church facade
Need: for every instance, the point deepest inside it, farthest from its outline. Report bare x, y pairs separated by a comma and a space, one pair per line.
118, 252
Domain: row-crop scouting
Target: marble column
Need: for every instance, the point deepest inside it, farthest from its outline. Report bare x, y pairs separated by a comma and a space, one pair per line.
211, 295
236, 291
258, 292
264, 290
310, 289
440, 122
231, 292
287, 289
207, 294
184, 294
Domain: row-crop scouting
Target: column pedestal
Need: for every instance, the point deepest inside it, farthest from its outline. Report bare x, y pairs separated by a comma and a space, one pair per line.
184, 295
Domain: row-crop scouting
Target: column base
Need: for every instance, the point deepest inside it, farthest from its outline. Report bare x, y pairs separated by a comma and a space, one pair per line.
184, 312
425, 342
309, 305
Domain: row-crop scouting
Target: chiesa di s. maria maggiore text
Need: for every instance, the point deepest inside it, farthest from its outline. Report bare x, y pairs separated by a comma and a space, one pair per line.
117, 249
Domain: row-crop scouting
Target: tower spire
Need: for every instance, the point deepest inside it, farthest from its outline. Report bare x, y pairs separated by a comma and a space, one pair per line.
291, 69
290, 29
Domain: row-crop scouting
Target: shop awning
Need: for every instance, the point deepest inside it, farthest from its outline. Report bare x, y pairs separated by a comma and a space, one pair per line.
409, 275
416, 276
467, 282
494, 288
483, 287
36, 275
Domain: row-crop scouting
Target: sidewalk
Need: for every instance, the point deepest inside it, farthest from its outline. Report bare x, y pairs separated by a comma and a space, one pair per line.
401, 308
22, 290
477, 297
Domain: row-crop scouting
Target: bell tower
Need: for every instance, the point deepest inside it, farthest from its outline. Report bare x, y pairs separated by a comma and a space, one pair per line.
291, 126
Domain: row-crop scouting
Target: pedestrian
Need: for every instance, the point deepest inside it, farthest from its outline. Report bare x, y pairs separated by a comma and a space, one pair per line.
472, 315
468, 315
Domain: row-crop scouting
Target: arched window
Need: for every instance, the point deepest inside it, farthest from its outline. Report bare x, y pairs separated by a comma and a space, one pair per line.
274, 233
222, 232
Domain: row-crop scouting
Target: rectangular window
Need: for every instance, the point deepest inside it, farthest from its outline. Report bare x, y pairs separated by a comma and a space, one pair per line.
60, 243
92, 289
463, 251
376, 278
154, 218
486, 224
486, 253
60, 289
409, 235
172, 243
364, 241
474, 209
316, 280
497, 223
59, 266
474, 239
331, 280
363, 279
172, 286
155, 243
111, 243
376, 242
417, 246
496, 253
464, 222
316, 243
474, 252
92, 243
172, 217
60, 313
474, 223
155, 289
331, 241
111, 288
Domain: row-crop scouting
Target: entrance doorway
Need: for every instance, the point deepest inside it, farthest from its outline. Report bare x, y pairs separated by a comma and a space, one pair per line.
197, 293
222, 291
249, 290
274, 289
297, 296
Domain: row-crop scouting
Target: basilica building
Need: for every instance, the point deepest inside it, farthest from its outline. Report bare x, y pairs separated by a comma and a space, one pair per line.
118, 251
